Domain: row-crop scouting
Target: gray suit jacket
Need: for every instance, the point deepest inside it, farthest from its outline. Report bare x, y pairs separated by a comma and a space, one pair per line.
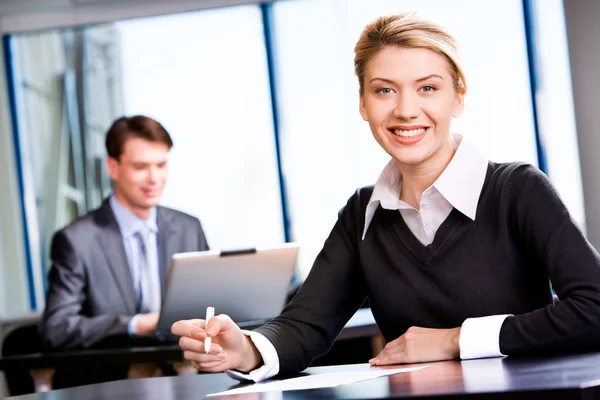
91, 294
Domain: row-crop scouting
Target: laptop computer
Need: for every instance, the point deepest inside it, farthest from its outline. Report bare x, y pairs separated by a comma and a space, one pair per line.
249, 285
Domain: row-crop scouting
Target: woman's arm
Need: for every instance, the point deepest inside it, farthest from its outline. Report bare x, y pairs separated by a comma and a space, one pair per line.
545, 230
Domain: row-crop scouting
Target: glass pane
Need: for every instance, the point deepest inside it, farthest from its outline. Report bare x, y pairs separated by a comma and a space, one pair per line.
67, 92
45, 92
209, 87
554, 101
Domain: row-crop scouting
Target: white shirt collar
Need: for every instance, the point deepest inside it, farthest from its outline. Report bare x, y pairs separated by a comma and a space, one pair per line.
460, 183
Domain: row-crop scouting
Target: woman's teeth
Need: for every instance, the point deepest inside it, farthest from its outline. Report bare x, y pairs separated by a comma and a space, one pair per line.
412, 132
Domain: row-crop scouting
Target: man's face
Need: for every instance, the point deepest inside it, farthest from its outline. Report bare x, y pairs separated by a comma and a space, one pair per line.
140, 174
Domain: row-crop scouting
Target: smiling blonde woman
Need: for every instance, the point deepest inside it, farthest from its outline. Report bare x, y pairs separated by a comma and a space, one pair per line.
454, 252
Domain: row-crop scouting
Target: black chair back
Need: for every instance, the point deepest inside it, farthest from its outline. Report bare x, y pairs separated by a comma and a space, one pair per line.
21, 340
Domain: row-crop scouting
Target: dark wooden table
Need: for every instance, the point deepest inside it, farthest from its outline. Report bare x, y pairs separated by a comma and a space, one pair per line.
560, 377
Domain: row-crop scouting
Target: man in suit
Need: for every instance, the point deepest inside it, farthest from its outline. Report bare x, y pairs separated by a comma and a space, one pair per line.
109, 266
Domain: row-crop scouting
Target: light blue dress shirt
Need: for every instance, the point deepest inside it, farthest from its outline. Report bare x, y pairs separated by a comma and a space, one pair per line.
129, 224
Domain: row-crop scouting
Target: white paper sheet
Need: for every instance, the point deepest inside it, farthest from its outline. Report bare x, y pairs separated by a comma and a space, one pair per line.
316, 381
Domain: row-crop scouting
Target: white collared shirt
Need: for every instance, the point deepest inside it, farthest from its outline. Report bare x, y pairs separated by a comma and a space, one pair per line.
459, 186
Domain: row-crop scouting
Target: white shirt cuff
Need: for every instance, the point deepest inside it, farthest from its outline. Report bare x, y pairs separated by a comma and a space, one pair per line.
132, 325
480, 337
268, 353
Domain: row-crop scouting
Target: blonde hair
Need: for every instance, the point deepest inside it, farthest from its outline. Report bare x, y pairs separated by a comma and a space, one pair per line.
408, 30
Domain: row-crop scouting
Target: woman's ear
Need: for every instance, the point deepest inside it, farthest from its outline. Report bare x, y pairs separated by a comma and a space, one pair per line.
362, 108
460, 104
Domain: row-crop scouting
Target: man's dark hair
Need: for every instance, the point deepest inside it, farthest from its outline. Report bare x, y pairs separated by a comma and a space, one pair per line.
137, 126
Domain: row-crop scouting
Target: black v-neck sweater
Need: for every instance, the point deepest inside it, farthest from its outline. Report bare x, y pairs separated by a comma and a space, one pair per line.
501, 263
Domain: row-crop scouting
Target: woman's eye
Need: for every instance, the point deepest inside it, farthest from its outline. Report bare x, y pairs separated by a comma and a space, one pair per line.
384, 90
428, 88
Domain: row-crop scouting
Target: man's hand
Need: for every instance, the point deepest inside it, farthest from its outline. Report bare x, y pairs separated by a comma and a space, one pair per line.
230, 348
420, 345
146, 324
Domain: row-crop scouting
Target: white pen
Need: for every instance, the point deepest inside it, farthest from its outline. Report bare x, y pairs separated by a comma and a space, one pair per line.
210, 312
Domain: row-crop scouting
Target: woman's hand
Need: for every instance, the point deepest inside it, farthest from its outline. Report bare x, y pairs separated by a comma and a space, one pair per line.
420, 345
230, 348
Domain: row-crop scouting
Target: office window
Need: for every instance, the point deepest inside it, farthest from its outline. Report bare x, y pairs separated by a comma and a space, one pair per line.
554, 100
327, 149
55, 167
206, 83
204, 76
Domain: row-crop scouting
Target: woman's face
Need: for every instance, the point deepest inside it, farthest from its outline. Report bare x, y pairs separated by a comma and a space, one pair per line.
409, 100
